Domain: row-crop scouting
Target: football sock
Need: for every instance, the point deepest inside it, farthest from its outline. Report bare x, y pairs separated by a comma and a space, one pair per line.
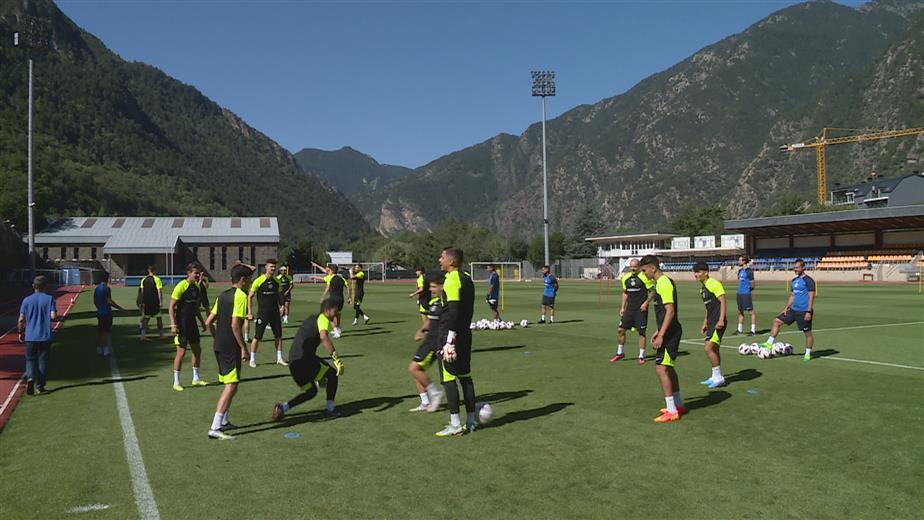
278, 355
678, 401
808, 352
176, 377
619, 350
771, 339
641, 353
253, 357
740, 328
225, 417
753, 328
424, 398
195, 373
285, 407
717, 373
470, 418
551, 319
455, 420
216, 421
330, 406
669, 401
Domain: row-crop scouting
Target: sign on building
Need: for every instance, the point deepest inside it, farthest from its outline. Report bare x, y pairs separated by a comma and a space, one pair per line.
704, 242
680, 243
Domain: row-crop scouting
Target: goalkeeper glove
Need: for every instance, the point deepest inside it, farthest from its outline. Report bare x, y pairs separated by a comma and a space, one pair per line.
337, 363
449, 349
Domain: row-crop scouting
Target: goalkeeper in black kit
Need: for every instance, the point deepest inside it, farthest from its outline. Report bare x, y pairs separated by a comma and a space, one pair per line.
307, 369
456, 338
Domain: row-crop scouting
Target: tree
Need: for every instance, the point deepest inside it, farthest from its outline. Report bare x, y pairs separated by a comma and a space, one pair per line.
536, 252
588, 224
693, 220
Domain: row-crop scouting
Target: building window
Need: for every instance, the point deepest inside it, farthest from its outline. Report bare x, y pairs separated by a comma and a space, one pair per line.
235, 223
88, 223
119, 222
178, 222
148, 223
196, 255
240, 253
76, 253
92, 253
206, 223
63, 253
224, 258
264, 223
45, 253
211, 259
253, 254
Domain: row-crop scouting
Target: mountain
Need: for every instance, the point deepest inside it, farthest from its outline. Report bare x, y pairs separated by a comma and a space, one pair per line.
704, 131
118, 138
350, 171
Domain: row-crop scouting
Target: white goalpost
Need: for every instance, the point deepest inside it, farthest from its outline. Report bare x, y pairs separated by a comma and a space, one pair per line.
506, 271
374, 270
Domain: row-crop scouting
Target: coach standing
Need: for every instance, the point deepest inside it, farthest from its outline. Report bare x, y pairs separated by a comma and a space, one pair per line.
35, 316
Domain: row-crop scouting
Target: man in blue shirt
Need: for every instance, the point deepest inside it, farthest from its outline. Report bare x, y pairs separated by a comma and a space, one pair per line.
102, 298
548, 294
799, 309
35, 316
746, 286
493, 291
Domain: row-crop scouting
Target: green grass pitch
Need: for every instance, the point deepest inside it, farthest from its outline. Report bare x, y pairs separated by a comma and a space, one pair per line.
573, 435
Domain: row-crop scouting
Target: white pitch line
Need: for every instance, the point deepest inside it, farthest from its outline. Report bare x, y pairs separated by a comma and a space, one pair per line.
9, 398
144, 495
837, 358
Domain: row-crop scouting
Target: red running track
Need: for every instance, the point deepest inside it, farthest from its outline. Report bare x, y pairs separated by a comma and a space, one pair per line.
12, 352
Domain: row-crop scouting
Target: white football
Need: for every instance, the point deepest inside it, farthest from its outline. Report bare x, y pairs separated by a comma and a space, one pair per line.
744, 349
473, 326
485, 413
764, 353
777, 349
524, 323
754, 348
787, 349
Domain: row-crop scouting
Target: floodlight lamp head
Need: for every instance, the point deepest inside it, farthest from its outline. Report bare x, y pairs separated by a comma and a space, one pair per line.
543, 83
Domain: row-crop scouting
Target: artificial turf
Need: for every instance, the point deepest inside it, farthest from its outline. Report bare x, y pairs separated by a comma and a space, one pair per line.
572, 437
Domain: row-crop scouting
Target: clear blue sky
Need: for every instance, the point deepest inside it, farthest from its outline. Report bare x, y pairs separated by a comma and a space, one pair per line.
407, 81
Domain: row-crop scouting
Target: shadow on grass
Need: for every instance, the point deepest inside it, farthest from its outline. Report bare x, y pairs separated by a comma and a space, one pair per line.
525, 415
376, 322
107, 381
748, 374
560, 322
500, 397
710, 399
376, 404
498, 349
261, 378
824, 353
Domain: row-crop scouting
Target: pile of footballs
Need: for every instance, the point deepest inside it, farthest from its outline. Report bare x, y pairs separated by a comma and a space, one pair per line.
779, 349
486, 324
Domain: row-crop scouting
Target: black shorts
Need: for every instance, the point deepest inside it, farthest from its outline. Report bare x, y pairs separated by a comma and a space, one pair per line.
462, 366
338, 301
492, 303
714, 335
548, 301
669, 348
796, 316
634, 320
186, 334
151, 309
307, 370
104, 323
427, 350
274, 322
358, 298
229, 365
744, 302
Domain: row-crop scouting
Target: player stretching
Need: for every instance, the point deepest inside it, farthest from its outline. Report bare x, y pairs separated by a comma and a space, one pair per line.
266, 289
633, 312
714, 322
666, 340
184, 318
548, 294
285, 285
456, 354
150, 294
423, 296
307, 368
746, 286
798, 309
333, 290
358, 277
430, 395
227, 317
493, 291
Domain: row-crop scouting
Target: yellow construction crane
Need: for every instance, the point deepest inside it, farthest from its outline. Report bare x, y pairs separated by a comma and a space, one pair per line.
822, 141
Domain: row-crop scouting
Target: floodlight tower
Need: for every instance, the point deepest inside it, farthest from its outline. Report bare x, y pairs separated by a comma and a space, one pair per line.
34, 38
544, 86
